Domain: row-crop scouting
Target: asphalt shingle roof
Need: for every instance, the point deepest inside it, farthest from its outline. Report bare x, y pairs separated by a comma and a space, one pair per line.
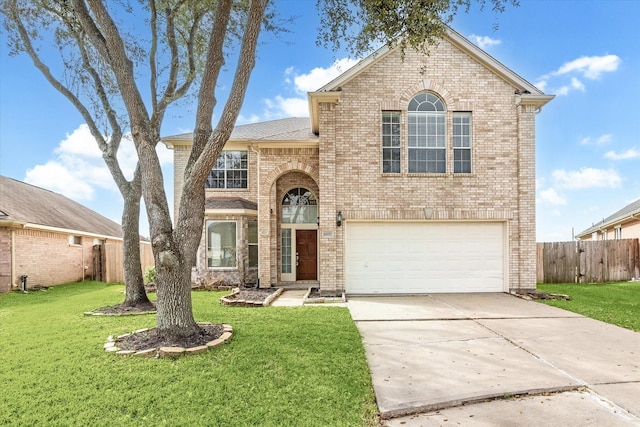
631, 209
229, 203
30, 204
290, 129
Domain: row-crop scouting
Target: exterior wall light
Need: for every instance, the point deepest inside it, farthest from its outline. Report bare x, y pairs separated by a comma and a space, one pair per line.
339, 219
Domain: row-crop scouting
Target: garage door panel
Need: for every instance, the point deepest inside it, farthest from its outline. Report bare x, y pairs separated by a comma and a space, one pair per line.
396, 257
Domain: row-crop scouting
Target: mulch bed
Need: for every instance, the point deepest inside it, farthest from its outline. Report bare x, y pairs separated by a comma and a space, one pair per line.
543, 295
151, 338
249, 296
122, 310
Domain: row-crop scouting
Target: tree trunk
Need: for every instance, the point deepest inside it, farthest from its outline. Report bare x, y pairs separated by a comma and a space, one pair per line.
135, 295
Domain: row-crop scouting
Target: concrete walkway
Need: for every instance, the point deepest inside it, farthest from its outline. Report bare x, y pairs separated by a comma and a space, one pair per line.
448, 356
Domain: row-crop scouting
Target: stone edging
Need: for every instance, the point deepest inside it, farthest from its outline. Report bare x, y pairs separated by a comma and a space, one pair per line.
227, 299
159, 353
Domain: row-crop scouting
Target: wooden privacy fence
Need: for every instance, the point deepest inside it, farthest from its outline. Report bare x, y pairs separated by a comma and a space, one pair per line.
588, 261
108, 264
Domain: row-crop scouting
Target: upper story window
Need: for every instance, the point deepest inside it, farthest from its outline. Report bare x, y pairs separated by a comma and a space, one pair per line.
390, 142
461, 142
299, 206
229, 172
427, 137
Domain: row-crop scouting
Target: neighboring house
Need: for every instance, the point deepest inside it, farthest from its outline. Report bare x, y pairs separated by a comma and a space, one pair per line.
624, 224
412, 175
48, 237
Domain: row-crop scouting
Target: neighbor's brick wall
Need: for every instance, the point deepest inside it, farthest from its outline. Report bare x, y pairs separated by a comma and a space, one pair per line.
503, 153
5, 259
48, 259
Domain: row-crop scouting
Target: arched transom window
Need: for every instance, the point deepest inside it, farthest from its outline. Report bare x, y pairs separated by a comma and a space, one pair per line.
299, 206
427, 135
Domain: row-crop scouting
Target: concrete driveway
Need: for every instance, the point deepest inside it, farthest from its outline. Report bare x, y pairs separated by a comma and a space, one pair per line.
495, 359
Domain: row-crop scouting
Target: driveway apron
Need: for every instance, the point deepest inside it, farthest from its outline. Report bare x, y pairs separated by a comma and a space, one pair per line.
428, 353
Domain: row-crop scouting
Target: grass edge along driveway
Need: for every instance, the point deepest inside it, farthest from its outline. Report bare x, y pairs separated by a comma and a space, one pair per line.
617, 303
284, 366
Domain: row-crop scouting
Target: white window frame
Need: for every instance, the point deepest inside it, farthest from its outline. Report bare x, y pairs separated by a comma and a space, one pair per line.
223, 254
391, 142
427, 134
222, 166
462, 142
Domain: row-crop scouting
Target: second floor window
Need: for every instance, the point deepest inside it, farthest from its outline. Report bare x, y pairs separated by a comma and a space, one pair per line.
427, 137
461, 142
390, 142
229, 172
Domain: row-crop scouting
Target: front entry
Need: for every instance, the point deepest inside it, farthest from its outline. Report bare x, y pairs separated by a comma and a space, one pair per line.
306, 254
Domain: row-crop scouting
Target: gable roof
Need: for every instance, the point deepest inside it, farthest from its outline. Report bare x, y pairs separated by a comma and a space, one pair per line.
529, 94
628, 213
23, 204
294, 129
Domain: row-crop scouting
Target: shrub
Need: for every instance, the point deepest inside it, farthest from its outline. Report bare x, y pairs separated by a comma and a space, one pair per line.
149, 275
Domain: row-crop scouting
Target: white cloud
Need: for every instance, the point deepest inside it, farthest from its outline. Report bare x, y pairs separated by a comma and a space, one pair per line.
588, 67
552, 197
484, 42
631, 153
591, 67
319, 76
587, 178
286, 107
77, 168
300, 84
602, 139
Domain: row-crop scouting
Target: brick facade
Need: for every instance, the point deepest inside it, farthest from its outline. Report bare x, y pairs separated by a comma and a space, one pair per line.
46, 257
344, 168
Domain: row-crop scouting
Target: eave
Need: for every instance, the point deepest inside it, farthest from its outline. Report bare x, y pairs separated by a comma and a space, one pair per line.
315, 99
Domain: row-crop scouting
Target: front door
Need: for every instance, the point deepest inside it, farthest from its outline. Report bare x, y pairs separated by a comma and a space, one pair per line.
306, 254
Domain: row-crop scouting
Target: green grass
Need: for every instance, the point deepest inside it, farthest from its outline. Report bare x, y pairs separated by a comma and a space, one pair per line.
302, 366
617, 303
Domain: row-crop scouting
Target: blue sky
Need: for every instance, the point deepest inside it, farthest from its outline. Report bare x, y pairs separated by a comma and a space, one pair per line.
586, 52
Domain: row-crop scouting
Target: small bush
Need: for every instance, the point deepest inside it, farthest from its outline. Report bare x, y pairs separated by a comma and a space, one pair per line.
149, 275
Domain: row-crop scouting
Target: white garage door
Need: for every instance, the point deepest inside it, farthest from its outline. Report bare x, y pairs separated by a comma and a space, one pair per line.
417, 258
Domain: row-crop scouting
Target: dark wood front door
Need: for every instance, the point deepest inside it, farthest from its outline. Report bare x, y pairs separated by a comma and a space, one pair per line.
306, 254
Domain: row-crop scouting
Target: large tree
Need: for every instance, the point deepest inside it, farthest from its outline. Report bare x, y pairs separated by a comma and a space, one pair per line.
98, 28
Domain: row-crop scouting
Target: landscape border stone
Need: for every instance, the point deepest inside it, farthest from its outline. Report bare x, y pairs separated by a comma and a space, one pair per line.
111, 345
231, 300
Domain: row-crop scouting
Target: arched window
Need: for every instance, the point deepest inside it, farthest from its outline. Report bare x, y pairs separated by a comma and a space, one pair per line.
299, 206
427, 134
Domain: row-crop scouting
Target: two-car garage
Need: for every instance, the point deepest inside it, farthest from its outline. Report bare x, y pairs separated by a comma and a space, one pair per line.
425, 257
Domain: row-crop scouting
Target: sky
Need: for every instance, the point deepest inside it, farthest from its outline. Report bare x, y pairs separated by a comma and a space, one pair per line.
586, 52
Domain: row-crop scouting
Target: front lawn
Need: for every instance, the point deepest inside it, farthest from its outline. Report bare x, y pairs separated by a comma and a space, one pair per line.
617, 303
285, 366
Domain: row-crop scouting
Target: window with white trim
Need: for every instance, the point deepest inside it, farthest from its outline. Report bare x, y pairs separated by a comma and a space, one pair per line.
252, 243
427, 136
461, 142
390, 142
618, 232
229, 172
221, 244
299, 206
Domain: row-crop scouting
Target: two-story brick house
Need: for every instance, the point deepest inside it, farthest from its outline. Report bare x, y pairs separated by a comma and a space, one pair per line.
412, 175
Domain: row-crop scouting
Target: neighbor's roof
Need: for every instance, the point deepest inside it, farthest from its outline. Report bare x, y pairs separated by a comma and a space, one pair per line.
295, 129
24, 204
629, 212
